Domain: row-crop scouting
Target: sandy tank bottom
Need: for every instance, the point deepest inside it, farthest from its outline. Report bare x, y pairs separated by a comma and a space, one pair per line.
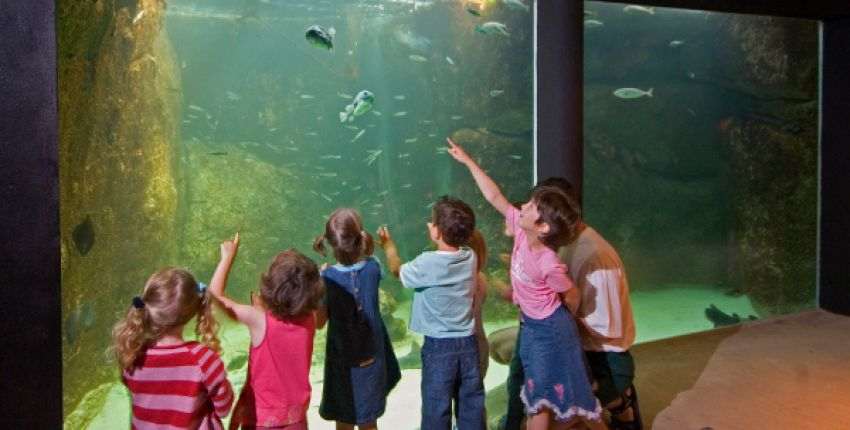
659, 313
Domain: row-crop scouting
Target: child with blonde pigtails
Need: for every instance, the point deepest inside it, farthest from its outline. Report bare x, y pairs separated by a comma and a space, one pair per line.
171, 381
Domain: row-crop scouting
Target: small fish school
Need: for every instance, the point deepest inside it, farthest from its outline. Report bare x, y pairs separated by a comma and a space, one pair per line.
786, 371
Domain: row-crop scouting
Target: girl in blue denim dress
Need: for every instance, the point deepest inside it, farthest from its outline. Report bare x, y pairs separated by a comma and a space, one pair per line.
360, 364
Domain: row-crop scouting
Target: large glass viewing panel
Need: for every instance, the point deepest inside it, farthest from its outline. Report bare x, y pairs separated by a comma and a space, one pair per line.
700, 158
180, 124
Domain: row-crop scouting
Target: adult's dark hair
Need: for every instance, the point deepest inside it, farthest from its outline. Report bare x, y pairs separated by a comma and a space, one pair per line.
561, 183
560, 212
455, 219
344, 232
292, 285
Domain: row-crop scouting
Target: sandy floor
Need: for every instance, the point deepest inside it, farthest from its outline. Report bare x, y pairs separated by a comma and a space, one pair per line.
661, 313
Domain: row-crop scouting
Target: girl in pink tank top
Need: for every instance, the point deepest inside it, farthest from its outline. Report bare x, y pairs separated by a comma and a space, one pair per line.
277, 390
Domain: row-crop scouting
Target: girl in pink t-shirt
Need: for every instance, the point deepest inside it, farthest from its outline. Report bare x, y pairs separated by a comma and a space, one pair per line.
277, 390
557, 391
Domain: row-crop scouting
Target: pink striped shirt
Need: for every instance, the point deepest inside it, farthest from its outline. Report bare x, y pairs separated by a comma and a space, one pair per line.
179, 387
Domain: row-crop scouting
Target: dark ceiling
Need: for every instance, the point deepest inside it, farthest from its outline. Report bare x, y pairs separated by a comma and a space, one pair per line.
809, 9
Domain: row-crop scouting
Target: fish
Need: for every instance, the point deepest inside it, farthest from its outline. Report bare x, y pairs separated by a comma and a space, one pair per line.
493, 27
376, 113
496, 93
233, 96
515, 157
410, 140
515, 4
418, 58
442, 149
383, 193
632, 93
399, 97
307, 97
330, 157
217, 153
592, 23
404, 155
473, 12
138, 16
79, 320
196, 108
633, 9
406, 186
402, 113
720, 318
358, 135
450, 61
361, 104
373, 155
311, 133
590, 13
352, 127
413, 41
692, 75
83, 236
321, 38
457, 117
237, 362
344, 96
324, 196
328, 174
676, 43
355, 188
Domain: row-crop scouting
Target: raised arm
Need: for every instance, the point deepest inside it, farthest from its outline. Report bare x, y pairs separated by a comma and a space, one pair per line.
388, 245
486, 184
249, 315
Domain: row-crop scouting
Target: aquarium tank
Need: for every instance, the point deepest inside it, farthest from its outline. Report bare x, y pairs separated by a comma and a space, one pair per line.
184, 121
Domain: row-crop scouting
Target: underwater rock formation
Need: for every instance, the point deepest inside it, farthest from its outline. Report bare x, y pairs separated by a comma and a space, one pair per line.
118, 121
774, 192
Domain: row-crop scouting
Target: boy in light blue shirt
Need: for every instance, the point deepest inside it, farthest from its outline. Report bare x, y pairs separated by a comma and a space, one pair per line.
444, 285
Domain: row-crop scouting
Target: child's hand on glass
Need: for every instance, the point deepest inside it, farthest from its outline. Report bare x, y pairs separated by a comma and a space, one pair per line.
457, 152
230, 247
384, 238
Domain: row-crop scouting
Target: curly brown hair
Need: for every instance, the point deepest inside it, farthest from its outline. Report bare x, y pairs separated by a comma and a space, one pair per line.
170, 299
291, 286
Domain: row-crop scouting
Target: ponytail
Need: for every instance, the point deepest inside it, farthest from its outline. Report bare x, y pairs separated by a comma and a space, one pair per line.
319, 245
207, 326
129, 337
369, 245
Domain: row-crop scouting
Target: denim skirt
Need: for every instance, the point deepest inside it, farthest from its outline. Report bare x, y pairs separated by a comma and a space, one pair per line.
555, 373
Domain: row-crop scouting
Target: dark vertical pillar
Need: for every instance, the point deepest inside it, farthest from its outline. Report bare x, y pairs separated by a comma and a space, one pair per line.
31, 358
560, 80
834, 291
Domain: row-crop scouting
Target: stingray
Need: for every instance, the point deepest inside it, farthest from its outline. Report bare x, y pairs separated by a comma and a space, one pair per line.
84, 236
81, 319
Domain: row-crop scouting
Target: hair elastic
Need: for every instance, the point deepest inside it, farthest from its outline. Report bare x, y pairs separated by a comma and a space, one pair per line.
201, 287
138, 303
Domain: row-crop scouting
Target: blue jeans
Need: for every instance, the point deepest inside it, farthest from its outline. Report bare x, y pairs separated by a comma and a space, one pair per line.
450, 371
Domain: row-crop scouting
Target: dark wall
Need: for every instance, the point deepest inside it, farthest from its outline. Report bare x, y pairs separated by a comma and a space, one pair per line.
31, 362
560, 85
834, 293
